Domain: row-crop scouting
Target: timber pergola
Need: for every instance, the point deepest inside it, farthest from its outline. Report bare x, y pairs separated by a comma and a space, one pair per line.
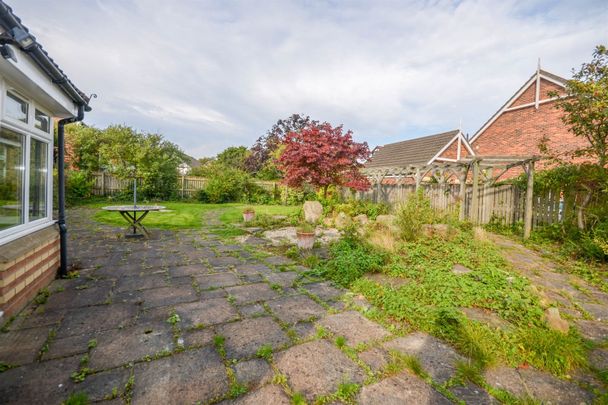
485, 169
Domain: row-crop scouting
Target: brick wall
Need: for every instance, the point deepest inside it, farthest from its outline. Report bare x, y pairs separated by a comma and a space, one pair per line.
520, 131
27, 265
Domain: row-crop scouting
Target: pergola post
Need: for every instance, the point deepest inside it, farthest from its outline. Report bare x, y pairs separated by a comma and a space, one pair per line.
529, 200
474, 214
418, 178
463, 193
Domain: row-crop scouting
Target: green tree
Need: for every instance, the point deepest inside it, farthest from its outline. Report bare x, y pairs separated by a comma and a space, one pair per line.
234, 157
586, 106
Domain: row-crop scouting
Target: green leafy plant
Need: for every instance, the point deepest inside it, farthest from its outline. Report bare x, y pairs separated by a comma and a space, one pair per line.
265, 352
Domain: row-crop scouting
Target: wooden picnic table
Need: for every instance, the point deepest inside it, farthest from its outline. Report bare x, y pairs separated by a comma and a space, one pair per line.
129, 213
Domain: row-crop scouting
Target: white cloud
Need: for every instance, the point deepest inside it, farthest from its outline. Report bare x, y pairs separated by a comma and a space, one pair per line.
213, 74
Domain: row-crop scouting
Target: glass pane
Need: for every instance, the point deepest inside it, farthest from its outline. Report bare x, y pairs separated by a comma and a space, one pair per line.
16, 108
11, 179
38, 179
42, 121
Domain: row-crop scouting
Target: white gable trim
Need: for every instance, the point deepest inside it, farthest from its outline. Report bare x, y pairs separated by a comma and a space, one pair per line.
461, 140
506, 106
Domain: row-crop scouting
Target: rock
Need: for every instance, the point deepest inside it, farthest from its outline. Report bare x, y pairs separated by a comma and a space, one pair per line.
328, 222
361, 219
555, 321
342, 221
313, 210
459, 269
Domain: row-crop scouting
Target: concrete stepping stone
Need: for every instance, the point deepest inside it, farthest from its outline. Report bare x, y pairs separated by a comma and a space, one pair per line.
598, 358
292, 309
252, 293
317, 368
472, 394
244, 338
437, 358
595, 331
205, 313
324, 290
536, 384
599, 312
354, 327
404, 388
485, 316
192, 376
388, 281
460, 270
269, 394
376, 358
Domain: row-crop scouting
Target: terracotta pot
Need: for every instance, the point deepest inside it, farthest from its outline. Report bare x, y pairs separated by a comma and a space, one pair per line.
306, 240
248, 216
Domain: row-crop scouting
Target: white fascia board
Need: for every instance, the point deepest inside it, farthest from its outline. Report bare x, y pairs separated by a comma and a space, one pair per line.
447, 145
467, 145
26, 74
513, 98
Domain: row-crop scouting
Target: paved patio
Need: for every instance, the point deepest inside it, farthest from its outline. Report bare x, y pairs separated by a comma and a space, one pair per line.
182, 318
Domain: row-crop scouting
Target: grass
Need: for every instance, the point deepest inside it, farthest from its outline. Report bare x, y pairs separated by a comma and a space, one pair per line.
431, 299
187, 215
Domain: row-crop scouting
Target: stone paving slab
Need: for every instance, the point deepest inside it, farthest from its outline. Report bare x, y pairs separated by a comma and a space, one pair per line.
251, 293
119, 347
81, 321
41, 383
158, 297
269, 394
21, 346
324, 290
191, 376
104, 385
205, 313
437, 358
354, 327
142, 282
404, 388
244, 338
292, 309
284, 279
253, 373
317, 368
208, 281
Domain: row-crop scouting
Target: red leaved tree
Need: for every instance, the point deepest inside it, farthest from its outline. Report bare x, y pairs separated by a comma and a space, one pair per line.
321, 156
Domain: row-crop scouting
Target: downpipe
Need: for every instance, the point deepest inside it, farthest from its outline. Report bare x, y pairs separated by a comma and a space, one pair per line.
63, 230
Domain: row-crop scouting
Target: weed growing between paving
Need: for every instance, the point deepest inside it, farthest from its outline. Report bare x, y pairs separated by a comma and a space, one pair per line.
432, 296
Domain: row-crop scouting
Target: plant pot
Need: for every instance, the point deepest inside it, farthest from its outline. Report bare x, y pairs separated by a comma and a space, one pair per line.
248, 216
306, 240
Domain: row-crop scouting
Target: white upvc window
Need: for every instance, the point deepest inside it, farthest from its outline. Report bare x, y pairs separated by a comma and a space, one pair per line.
26, 164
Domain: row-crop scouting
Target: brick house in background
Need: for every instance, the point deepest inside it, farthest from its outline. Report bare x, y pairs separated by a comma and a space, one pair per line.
516, 129
528, 117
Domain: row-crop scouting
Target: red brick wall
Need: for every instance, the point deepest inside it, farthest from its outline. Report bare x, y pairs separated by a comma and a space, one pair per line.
451, 152
528, 96
519, 132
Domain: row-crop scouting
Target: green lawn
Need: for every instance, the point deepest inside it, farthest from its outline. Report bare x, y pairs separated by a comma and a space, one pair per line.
187, 215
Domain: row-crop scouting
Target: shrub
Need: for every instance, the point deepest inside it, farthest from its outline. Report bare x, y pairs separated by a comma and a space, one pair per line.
350, 259
416, 212
79, 186
227, 184
357, 207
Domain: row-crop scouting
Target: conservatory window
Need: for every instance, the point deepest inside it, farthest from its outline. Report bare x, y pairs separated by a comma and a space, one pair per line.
16, 107
42, 121
11, 178
38, 179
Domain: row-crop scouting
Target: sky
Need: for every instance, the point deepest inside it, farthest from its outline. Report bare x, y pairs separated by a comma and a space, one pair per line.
213, 74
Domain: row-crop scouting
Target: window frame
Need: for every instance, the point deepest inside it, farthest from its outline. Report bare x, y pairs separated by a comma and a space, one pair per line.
28, 131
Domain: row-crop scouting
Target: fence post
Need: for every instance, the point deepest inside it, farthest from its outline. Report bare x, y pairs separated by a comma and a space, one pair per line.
183, 183
529, 198
103, 184
463, 193
474, 213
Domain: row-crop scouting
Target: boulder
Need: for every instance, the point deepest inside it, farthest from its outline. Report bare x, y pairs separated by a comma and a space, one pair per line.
361, 219
555, 321
342, 221
313, 210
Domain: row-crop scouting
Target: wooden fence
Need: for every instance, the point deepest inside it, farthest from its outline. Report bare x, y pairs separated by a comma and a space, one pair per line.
106, 185
502, 203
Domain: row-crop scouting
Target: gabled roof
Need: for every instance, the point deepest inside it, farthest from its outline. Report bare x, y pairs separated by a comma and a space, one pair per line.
9, 21
417, 151
539, 74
